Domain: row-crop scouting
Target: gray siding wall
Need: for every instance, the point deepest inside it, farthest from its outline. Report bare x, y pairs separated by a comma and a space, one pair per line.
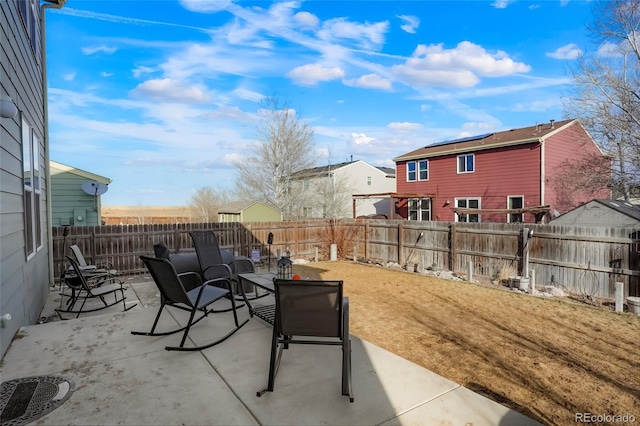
24, 285
595, 214
68, 201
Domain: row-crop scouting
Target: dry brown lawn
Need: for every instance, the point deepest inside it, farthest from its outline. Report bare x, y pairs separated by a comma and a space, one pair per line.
547, 359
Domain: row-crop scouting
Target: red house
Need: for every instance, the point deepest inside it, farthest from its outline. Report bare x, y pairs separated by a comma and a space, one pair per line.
517, 175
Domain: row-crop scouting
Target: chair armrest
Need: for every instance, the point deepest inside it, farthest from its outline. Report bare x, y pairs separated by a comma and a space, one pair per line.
345, 317
223, 271
190, 280
241, 265
216, 281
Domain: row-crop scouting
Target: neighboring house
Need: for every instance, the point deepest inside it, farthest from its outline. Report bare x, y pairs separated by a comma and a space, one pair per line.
26, 266
603, 212
248, 211
328, 190
71, 204
503, 175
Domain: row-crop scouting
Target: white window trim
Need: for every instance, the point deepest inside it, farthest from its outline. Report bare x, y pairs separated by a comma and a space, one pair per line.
33, 191
418, 169
419, 208
509, 214
468, 198
458, 163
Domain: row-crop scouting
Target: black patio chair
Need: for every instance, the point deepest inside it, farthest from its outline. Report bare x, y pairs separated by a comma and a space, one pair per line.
78, 288
95, 275
310, 309
215, 265
173, 293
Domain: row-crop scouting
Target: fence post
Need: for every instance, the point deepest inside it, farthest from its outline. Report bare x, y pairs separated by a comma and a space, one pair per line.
400, 241
366, 240
92, 247
619, 296
452, 246
524, 259
176, 239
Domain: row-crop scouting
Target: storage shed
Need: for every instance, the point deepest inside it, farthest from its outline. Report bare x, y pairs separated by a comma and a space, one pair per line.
248, 211
71, 204
602, 212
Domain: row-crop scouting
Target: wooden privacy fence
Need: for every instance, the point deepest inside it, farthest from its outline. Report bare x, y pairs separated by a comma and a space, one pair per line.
580, 259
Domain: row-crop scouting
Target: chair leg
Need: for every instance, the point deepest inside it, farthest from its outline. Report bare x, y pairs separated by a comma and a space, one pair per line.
188, 327
274, 363
347, 388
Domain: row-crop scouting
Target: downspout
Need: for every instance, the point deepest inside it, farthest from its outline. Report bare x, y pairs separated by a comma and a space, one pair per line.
55, 4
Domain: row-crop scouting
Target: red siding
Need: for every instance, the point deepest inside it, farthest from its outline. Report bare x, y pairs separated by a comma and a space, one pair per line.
571, 143
498, 173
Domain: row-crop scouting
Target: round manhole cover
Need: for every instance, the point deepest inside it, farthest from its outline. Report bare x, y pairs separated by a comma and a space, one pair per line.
27, 399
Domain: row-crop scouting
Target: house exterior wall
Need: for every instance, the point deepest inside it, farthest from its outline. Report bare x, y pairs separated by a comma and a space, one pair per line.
595, 214
499, 173
354, 179
572, 143
69, 201
24, 280
357, 175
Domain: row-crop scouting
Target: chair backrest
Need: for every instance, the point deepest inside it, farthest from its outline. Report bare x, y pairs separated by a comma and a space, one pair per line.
74, 278
207, 249
167, 280
78, 255
161, 250
309, 308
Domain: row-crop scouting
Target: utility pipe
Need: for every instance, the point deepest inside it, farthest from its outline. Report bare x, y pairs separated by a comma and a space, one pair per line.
53, 4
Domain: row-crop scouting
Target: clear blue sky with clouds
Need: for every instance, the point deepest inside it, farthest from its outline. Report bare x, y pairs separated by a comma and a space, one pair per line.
162, 96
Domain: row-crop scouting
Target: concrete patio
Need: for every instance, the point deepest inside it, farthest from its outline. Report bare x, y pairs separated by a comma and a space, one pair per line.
132, 380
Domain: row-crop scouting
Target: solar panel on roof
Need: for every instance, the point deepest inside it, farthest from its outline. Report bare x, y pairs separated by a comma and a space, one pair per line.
467, 139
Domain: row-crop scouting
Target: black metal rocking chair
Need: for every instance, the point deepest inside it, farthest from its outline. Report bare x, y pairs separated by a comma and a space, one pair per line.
173, 293
78, 288
310, 309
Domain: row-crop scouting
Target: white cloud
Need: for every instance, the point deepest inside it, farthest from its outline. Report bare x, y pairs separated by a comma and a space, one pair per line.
404, 126
233, 158
609, 50
311, 74
370, 81
537, 106
568, 51
365, 35
425, 107
306, 19
323, 153
461, 66
138, 71
169, 90
96, 49
501, 4
410, 23
106, 74
205, 6
247, 94
69, 76
361, 139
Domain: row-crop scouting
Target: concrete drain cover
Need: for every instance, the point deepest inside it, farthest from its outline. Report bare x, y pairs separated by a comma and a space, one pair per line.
27, 399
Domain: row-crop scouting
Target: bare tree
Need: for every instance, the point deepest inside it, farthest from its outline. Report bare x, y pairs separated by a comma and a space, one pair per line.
606, 89
286, 146
206, 202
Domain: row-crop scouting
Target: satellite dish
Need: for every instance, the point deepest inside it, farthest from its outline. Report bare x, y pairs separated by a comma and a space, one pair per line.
94, 188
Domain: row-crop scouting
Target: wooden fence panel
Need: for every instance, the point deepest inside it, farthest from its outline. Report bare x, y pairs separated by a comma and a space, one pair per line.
587, 260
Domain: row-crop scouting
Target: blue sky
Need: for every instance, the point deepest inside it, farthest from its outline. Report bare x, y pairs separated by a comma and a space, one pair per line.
162, 96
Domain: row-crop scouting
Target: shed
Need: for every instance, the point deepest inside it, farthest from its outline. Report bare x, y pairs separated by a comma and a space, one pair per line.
71, 205
602, 212
248, 211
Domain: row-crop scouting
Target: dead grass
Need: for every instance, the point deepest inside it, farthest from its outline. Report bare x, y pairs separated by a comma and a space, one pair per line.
547, 359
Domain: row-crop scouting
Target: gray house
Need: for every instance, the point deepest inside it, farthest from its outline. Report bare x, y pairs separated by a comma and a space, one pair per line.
603, 212
26, 266
71, 203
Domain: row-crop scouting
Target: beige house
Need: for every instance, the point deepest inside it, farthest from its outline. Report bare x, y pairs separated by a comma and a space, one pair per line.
248, 211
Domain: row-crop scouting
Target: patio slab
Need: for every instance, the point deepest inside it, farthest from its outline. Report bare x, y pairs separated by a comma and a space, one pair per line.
131, 380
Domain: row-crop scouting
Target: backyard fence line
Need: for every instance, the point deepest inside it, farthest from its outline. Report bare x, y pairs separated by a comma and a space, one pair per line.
579, 259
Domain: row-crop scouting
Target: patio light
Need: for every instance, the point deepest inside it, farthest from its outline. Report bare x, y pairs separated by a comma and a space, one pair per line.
7, 108
285, 268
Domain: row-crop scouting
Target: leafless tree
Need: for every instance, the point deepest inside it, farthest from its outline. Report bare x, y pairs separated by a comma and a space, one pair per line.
286, 146
606, 89
206, 202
